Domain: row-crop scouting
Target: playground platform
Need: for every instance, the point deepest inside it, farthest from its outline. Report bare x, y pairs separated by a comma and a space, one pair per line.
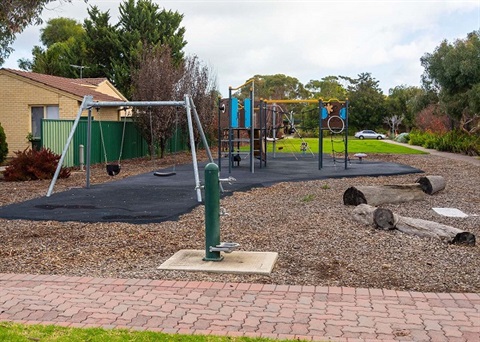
146, 198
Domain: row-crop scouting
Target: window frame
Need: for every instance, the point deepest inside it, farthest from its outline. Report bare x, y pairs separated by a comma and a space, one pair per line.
35, 131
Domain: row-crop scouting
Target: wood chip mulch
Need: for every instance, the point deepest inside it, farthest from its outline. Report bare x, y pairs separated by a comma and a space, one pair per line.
305, 222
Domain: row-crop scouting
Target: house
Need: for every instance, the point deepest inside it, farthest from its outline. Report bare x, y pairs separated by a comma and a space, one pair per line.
27, 97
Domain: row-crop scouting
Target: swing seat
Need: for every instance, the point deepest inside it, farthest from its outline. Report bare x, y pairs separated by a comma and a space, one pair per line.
164, 174
113, 169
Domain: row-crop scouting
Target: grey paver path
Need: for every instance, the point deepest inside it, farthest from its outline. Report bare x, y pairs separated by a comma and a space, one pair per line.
240, 309
474, 160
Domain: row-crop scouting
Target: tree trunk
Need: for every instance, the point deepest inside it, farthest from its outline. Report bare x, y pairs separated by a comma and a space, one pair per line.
431, 184
385, 219
381, 194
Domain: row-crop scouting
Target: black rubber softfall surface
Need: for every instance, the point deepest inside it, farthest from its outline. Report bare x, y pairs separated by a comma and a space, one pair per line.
146, 198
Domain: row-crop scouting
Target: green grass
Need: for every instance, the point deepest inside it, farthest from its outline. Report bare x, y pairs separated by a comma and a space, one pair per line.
308, 198
354, 146
13, 332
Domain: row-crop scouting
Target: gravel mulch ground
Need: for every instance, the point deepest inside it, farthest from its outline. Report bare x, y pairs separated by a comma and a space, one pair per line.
305, 222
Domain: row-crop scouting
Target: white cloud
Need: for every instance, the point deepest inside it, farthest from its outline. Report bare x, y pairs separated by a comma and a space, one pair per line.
304, 39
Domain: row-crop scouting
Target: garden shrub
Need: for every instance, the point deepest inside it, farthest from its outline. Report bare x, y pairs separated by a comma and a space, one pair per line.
430, 141
402, 138
417, 138
453, 141
459, 142
3, 145
32, 165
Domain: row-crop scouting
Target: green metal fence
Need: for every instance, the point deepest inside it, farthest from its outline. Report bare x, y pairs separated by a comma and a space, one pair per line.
55, 134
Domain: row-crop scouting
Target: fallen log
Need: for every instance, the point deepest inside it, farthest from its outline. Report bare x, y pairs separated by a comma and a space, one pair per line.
431, 184
382, 218
381, 194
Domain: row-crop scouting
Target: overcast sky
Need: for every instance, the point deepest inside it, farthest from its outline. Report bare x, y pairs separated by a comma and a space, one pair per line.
303, 39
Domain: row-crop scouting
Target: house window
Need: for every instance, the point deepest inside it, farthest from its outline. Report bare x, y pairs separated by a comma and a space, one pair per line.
52, 113
37, 116
39, 113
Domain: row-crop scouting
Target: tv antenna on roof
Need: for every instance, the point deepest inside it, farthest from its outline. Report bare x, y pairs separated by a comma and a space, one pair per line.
81, 67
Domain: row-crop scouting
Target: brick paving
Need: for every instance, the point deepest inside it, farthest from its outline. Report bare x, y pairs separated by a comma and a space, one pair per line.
236, 309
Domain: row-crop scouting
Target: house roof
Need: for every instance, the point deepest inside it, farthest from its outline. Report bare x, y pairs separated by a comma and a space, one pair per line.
76, 87
89, 81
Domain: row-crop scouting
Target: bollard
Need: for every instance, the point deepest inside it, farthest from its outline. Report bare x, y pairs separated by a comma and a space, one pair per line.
81, 159
212, 212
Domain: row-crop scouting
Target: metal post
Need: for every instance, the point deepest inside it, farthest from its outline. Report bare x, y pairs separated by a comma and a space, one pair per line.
252, 126
346, 134
220, 135
212, 212
260, 132
274, 128
202, 134
201, 131
81, 157
89, 147
230, 131
67, 145
320, 135
194, 153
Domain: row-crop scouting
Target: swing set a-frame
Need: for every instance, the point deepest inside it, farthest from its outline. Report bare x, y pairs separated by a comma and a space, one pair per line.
88, 104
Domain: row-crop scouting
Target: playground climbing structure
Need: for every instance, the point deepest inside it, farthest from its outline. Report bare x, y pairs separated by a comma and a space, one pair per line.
243, 122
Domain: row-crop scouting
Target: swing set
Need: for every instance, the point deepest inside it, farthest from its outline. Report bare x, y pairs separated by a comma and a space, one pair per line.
152, 137
114, 168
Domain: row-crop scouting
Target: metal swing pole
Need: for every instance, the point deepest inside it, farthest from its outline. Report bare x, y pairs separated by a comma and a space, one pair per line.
67, 144
89, 147
194, 153
200, 130
202, 135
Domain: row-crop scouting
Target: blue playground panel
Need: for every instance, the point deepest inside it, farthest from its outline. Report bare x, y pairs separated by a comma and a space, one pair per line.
324, 113
234, 113
247, 104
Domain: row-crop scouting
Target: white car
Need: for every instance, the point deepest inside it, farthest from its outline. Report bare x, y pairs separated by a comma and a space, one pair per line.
369, 134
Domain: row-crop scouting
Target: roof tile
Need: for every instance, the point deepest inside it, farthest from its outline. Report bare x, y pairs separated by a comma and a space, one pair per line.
77, 87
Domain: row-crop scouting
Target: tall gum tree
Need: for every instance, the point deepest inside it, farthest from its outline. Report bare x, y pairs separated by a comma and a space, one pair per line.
143, 24
367, 102
453, 72
15, 16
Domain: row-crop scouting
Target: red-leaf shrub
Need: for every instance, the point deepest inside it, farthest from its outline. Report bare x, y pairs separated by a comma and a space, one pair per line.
432, 120
32, 165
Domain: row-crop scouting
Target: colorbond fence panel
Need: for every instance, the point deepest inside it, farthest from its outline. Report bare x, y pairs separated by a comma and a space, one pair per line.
55, 134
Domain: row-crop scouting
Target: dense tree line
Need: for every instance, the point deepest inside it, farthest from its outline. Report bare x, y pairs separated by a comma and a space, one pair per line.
452, 75
122, 51
449, 98
15, 16
98, 48
142, 55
